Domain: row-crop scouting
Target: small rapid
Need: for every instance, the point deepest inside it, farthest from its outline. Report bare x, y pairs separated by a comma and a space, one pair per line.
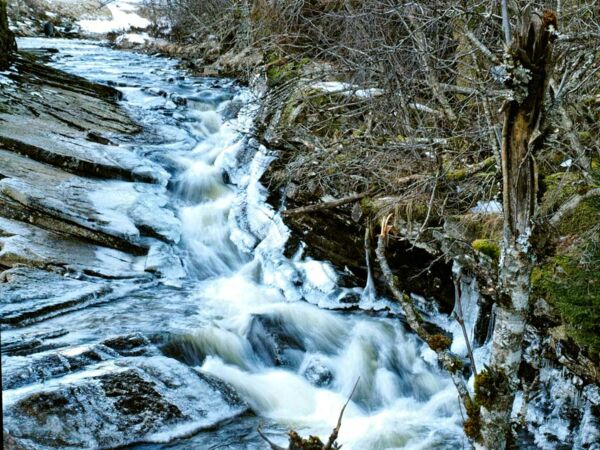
239, 309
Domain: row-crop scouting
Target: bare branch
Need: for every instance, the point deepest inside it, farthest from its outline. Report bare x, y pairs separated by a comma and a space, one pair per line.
450, 362
325, 205
272, 445
481, 47
334, 434
570, 205
506, 23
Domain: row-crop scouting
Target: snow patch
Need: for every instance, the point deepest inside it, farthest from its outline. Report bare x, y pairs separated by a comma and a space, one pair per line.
491, 207
336, 87
124, 17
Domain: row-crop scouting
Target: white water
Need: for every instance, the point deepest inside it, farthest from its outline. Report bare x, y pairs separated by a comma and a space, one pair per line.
255, 320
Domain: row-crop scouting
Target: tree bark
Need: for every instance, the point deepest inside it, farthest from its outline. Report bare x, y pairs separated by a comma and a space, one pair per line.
7, 40
529, 62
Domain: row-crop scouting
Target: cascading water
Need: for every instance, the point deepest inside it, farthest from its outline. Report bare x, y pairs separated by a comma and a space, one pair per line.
240, 310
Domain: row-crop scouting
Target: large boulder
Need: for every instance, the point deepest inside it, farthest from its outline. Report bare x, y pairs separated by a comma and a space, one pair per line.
98, 400
273, 343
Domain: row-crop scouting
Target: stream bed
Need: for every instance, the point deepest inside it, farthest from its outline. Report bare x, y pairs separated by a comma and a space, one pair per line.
227, 333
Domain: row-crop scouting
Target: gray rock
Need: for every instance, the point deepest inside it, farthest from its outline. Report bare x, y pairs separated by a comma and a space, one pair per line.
30, 295
118, 402
53, 113
111, 213
25, 244
27, 343
162, 260
47, 365
273, 343
317, 372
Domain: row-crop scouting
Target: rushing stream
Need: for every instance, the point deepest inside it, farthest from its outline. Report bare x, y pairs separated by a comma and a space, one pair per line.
231, 303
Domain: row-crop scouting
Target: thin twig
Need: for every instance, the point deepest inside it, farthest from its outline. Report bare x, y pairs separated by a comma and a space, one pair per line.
267, 440
336, 430
325, 205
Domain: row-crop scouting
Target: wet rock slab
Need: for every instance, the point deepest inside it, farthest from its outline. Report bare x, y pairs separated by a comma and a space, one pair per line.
22, 244
31, 295
85, 220
118, 402
67, 121
109, 212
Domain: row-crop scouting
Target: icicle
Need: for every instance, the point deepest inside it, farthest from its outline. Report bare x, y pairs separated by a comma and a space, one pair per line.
369, 292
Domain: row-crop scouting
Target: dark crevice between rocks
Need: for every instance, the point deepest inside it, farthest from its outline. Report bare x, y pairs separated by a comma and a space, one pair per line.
15, 211
95, 274
148, 231
48, 76
73, 165
27, 345
333, 236
66, 121
28, 317
97, 138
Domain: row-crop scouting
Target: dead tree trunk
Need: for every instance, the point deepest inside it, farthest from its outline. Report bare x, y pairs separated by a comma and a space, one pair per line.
244, 34
528, 62
7, 40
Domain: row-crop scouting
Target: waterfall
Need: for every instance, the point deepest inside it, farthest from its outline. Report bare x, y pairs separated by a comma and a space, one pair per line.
244, 312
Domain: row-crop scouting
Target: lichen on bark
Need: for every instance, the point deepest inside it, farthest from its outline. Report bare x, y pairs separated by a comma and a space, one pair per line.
522, 137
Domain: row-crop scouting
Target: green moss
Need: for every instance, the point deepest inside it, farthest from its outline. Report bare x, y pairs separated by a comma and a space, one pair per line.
477, 226
585, 137
487, 247
571, 284
413, 211
439, 342
457, 364
581, 219
489, 385
558, 188
472, 424
281, 71
407, 299
456, 175
368, 206
360, 131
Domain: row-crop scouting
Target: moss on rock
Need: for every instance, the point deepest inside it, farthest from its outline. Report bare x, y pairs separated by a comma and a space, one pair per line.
571, 284
439, 342
488, 247
281, 70
558, 188
472, 424
581, 219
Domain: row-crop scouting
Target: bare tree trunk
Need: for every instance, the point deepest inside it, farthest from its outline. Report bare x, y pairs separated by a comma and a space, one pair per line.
244, 37
528, 63
7, 40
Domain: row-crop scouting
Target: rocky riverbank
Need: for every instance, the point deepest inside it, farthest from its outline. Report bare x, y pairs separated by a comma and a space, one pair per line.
560, 378
59, 231
85, 221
